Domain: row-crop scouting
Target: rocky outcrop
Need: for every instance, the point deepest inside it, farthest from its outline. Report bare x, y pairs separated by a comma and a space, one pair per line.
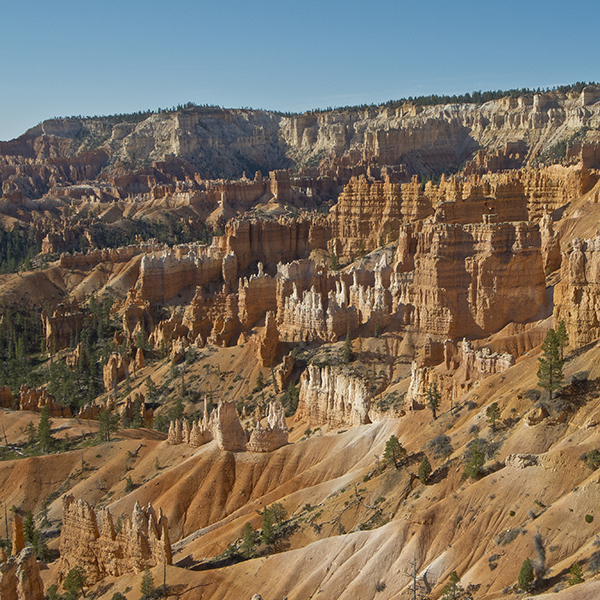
142, 541
576, 296
274, 435
20, 577
7, 399
257, 295
366, 216
332, 397
283, 372
550, 245
60, 328
223, 425
268, 342
459, 369
18, 536
272, 241
468, 280
114, 371
36, 398
165, 275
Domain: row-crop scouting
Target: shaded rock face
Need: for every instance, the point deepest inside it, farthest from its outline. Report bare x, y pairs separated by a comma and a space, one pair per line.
576, 296
20, 577
331, 397
142, 541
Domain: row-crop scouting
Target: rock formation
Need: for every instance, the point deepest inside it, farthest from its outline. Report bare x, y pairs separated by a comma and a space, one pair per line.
36, 398
18, 536
20, 577
332, 397
60, 328
115, 370
269, 341
576, 299
274, 435
141, 541
468, 279
366, 216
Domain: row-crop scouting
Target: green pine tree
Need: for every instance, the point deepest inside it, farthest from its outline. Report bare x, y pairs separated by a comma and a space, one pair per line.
347, 352
108, 422
493, 414
268, 529
147, 586
394, 453
424, 469
475, 460
550, 370
452, 590
45, 430
248, 541
433, 397
576, 574
75, 581
526, 575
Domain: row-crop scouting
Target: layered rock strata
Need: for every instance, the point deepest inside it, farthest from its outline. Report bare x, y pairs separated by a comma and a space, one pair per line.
468, 279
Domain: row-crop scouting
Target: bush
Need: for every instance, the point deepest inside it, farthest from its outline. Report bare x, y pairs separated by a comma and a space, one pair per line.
441, 446
526, 575
589, 518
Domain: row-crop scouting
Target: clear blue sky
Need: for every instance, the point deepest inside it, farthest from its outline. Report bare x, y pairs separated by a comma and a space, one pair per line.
70, 57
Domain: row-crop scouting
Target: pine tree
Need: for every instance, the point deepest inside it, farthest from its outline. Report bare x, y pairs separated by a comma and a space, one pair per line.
45, 430
108, 422
526, 575
347, 353
433, 398
147, 586
75, 581
424, 469
268, 530
550, 372
493, 414
576, 574
452, 590
248, 541
475, 460
394, 453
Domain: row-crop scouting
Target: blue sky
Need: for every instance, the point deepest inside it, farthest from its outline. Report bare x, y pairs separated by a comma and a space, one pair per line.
70, 57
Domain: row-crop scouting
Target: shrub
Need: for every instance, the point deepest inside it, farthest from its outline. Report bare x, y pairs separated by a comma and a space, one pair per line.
440, 446
526, 575
576, 574
589, 518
